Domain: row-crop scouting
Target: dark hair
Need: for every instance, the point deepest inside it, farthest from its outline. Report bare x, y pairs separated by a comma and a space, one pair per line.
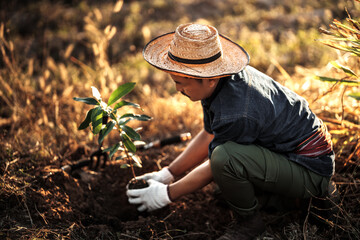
197, 79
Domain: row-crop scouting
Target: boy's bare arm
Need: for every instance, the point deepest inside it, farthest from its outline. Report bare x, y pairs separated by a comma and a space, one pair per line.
193, 155
196, 179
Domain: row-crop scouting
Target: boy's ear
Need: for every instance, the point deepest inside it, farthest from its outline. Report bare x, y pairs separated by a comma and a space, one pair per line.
213, 82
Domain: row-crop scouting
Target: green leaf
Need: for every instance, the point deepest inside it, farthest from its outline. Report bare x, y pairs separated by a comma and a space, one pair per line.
355, 95
109, 149
120, 92
114, 149
87, 120
123, 121
128, 143
347, 70
113, 115
354, 23
96, 120
125, 103
87, 100
130, 132
120, 157
125, 165
105, 131
342, 47
353, 30
127, 115
340, 81
141, 117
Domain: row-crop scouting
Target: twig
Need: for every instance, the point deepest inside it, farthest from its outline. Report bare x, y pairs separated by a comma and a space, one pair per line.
353, 153
325, 220
172, 212
306, 219
281, 69
343, 123
8, 90
331, 89
189, 234
348, 183
158, 162
42, 215
6, 167
85, 67
129, 236
342, 104
28, 211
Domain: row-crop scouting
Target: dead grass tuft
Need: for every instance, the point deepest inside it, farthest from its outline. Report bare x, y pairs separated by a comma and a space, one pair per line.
39, 119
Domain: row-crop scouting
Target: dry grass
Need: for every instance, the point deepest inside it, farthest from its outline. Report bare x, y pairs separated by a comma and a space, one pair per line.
39, 119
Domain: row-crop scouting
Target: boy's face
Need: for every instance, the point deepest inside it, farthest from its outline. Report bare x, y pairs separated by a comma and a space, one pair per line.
195, 89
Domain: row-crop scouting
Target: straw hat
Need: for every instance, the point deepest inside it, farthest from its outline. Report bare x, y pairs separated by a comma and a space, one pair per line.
195, 50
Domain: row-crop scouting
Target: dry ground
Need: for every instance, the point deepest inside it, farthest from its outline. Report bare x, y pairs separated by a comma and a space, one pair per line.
53, 51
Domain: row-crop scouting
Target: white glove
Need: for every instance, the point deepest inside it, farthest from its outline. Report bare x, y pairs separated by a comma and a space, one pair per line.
153, 197
163, 176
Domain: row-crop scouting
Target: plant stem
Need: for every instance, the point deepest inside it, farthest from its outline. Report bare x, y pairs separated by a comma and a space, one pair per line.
125, 149
130, 163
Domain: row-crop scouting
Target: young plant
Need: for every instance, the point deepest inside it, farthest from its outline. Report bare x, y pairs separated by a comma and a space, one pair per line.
344, 37
103, 118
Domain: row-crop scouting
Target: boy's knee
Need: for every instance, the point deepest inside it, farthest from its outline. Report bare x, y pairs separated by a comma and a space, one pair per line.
231, 158
222, 156
218, 159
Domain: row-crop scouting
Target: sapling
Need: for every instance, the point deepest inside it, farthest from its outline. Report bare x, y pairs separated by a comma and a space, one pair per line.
344, 37
104, 118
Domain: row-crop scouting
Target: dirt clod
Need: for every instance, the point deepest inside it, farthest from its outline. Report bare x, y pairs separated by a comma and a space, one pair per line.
138, 184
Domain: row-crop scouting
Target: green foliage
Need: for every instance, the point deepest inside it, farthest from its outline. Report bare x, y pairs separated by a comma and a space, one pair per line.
355, 95
104, 132
345, 38
346, 70
98, 119
87, 100
120, 92
338, 81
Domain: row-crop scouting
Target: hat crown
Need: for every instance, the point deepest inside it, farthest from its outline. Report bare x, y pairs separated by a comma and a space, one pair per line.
196, 32
196, 51
195, 41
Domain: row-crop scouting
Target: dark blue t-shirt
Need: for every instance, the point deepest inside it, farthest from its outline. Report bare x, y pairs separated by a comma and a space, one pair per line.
252, 108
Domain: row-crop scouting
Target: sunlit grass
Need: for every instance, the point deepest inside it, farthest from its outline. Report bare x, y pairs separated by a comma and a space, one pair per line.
58, 79
39, 119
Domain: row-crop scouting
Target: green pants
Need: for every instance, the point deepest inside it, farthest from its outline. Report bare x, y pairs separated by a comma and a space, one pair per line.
242, 171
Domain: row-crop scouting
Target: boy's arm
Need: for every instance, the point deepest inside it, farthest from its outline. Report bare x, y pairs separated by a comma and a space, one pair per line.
158, 195
196, 179
193, 155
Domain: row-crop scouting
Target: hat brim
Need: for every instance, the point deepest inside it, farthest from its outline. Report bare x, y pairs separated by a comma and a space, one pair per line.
233, 59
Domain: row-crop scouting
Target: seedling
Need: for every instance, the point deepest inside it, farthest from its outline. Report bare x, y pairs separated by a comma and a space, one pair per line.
344, 37
103, 118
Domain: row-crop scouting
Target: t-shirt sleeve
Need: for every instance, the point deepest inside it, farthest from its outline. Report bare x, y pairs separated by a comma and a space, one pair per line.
207, 118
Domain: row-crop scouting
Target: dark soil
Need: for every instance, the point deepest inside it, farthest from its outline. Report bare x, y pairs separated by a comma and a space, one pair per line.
137, 184
93, 205
40, 201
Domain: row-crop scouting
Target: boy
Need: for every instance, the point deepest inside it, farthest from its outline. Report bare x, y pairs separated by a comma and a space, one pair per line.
258, 135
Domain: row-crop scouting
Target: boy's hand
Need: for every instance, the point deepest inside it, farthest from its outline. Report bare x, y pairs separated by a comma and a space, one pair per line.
163, 176
153, 197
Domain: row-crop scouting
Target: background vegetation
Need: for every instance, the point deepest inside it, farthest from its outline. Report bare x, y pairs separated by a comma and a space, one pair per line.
52, 51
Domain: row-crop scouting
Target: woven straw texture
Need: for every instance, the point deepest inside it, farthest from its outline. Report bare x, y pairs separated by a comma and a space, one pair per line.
194, 42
